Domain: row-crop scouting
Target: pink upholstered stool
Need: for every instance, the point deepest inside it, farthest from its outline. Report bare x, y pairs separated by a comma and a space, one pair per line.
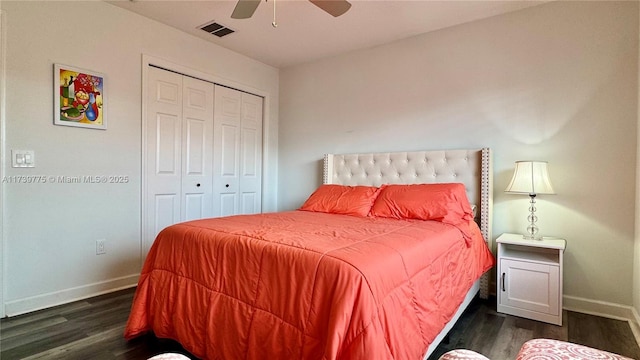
461, 354
169, 356
546, 349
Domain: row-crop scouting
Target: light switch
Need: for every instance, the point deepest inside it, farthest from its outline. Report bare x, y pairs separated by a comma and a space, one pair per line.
23, 158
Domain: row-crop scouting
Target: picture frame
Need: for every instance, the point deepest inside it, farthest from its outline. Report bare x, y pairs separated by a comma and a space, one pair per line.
79, 97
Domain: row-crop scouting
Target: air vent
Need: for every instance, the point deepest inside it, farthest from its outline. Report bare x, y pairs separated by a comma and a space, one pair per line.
216, 29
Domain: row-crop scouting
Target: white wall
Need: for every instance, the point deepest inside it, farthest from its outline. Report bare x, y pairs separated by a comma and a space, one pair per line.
556, 82
51, 229
636, 272
2, 157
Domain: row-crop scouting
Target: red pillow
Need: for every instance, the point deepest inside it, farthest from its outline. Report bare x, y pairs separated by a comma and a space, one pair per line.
446, 202
340, 199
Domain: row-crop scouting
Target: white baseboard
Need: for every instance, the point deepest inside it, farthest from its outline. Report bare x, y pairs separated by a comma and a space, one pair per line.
635, 325
38, 302
596, 307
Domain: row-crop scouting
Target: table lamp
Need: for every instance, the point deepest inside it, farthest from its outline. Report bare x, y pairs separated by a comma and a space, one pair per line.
532, 178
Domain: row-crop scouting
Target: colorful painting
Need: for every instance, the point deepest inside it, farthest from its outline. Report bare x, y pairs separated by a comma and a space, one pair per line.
79, 98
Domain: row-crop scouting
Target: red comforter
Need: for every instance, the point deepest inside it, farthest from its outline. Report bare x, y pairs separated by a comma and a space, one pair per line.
303, 285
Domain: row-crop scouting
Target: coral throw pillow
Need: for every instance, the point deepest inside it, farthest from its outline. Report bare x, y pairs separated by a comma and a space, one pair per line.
447, 203
340, 199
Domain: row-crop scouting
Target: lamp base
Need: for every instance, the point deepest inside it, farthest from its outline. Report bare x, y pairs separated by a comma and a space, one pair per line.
532, 229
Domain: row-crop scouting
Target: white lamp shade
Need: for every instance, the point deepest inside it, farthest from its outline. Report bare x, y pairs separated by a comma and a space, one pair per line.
530, 177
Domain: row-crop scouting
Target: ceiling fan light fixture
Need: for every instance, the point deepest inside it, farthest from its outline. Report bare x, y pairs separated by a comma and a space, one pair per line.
246, 8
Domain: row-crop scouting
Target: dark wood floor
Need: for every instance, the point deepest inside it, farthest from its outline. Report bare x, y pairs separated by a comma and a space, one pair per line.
92, 329
499, 336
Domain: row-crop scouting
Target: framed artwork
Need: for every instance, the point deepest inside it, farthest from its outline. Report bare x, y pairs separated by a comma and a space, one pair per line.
79, 98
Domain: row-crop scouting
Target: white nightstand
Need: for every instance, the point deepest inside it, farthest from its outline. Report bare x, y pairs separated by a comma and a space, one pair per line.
530, 277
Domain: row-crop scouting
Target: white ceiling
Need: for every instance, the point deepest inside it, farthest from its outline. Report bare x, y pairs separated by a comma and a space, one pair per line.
306, 33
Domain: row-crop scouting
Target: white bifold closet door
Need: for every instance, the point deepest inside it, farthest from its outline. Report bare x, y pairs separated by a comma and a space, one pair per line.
237, 165
179, 162
203, 151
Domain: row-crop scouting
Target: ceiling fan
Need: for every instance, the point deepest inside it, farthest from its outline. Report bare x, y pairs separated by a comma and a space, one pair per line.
245, 8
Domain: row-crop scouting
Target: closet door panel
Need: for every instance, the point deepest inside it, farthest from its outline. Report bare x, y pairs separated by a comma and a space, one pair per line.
228, 204
167, 146
163, 153
251, 155
249, 203
226, 151
197, 145
229, 151
165, 209
194, 205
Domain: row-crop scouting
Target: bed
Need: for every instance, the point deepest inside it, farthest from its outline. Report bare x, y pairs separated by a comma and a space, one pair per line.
349, 275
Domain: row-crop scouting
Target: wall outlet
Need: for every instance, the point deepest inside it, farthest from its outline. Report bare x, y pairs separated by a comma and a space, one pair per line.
100, 247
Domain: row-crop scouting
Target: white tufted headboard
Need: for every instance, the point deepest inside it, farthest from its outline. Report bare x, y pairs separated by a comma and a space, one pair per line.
471, 167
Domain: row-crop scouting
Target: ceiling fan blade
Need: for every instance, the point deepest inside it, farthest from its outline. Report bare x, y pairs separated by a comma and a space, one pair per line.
333, 7
244, 9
